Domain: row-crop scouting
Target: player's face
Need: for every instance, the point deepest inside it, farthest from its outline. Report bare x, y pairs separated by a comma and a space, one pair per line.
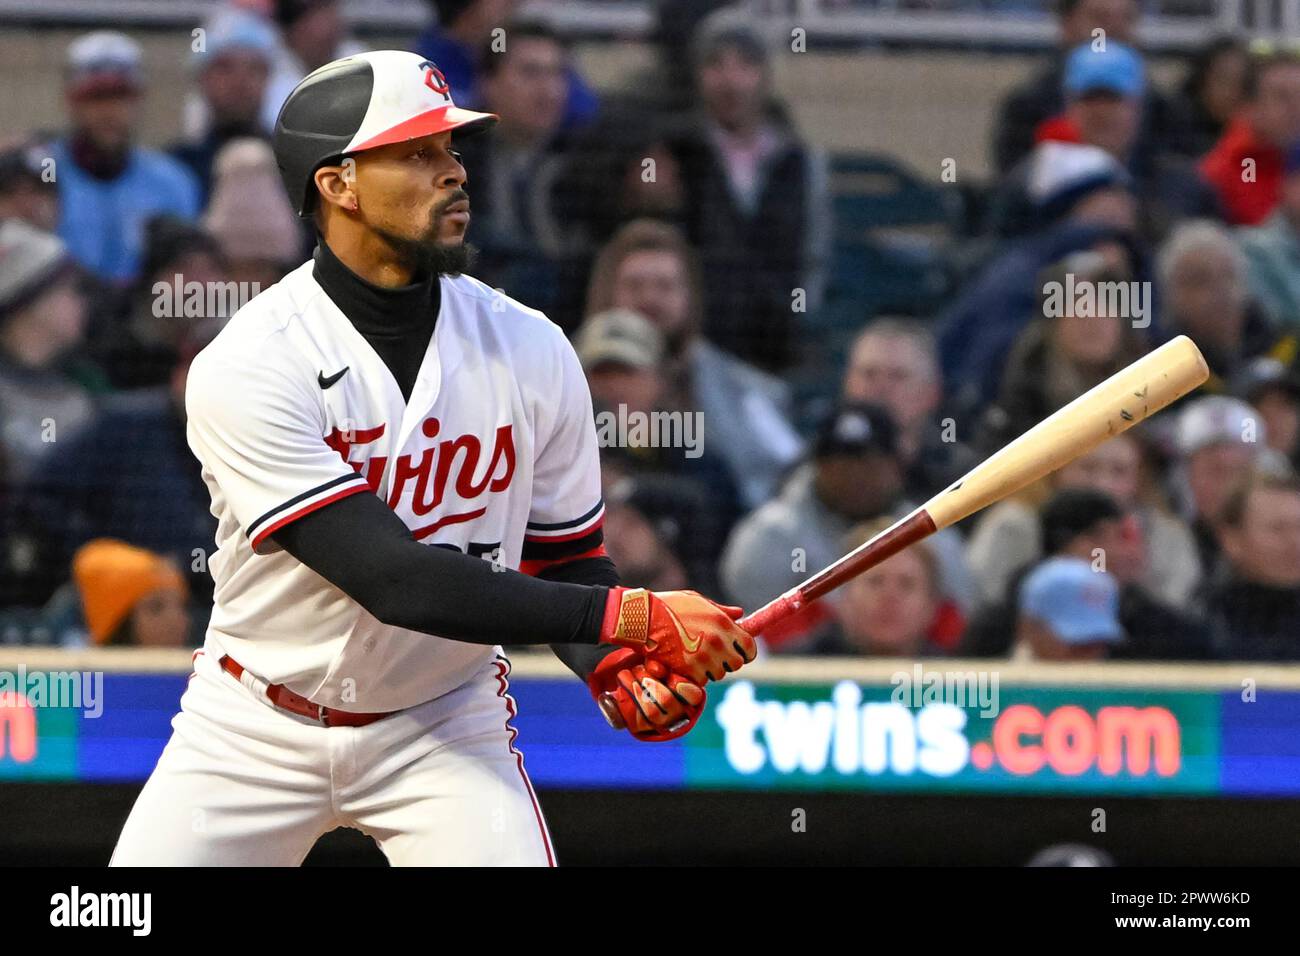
413, 195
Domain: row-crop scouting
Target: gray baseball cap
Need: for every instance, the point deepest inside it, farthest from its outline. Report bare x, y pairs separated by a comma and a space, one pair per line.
30, 262
619, 336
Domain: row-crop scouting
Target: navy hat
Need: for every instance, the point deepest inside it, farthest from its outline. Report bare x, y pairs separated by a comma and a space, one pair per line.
1291, 160
1071, 512
856, 428
1264, 374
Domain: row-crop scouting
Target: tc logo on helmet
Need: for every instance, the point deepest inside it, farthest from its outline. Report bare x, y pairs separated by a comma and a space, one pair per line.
434, 79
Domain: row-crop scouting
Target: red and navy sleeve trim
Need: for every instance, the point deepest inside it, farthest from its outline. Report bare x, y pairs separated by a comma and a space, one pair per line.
304, 504
566, 530
548, 545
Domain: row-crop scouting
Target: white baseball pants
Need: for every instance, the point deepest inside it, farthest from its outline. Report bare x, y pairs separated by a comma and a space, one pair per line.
242, 782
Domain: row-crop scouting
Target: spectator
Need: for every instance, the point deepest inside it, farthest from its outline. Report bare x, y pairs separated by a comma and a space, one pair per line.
1082, 192
42, 321
1255, 603
27, 188
756, 200
130, 596
1074, 345
677, 22
175, 296
312, 33
1272, 251
637, 545
460, 42
109, 187
1068, 612
623, 355
232, 71
854, 474
649, 268
1091, 525
1220, 440
518, 225
895, 363
1104, 90
130, 476
1008, 536
1212, 93
1273, 390
1203, 288
250, 217
1245, 165
1040, 96
890, 610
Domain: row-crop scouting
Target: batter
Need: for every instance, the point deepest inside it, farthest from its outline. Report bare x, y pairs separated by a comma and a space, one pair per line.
404, 468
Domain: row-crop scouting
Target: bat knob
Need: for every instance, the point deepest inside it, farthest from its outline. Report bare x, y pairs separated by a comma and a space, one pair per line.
609, 708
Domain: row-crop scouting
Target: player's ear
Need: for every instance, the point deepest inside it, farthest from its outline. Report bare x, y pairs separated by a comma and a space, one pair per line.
336, 184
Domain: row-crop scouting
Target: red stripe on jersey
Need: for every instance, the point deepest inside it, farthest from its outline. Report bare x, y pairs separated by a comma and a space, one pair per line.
421, 533
294, 516
537, 567
503, 691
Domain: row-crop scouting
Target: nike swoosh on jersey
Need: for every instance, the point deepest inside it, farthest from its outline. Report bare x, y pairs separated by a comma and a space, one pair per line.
324, 382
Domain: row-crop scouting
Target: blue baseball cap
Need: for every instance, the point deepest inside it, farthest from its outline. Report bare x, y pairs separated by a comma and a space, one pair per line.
1078, 604
235, 29
1116, 68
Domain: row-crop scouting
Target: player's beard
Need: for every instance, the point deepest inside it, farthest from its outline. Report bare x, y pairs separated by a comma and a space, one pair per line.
425, 254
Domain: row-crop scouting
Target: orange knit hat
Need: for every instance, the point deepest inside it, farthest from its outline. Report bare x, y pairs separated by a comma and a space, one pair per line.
113, 576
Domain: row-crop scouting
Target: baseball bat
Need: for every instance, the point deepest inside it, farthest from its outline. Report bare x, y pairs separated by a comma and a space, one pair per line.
1132, 394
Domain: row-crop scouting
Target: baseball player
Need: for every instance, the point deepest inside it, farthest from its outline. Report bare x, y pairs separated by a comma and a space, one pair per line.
403, 465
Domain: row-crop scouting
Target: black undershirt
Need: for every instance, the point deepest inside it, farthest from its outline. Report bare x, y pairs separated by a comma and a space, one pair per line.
361, 547
398, 323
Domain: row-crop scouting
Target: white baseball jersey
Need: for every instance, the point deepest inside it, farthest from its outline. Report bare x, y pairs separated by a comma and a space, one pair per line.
289, 409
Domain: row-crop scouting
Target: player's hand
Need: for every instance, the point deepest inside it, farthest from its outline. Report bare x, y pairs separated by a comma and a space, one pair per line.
684, 631
644, 698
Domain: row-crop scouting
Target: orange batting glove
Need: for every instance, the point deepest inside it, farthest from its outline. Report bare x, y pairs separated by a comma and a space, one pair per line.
643, 698
684, 631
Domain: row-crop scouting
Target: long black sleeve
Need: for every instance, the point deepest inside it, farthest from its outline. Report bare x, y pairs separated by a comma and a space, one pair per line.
597, 572
363, 549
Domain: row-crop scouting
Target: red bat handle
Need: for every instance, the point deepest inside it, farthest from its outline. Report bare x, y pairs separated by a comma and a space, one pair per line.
772, 612
893, 539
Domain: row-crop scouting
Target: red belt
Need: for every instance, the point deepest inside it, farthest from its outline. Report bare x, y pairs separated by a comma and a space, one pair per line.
286, 699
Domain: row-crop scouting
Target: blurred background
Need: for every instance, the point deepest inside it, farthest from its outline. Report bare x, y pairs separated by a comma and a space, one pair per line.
861, 243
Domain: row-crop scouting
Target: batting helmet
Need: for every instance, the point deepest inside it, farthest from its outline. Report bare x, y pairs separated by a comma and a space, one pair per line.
358, 103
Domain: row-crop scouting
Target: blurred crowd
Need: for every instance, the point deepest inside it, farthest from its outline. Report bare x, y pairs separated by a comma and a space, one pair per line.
699, 252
